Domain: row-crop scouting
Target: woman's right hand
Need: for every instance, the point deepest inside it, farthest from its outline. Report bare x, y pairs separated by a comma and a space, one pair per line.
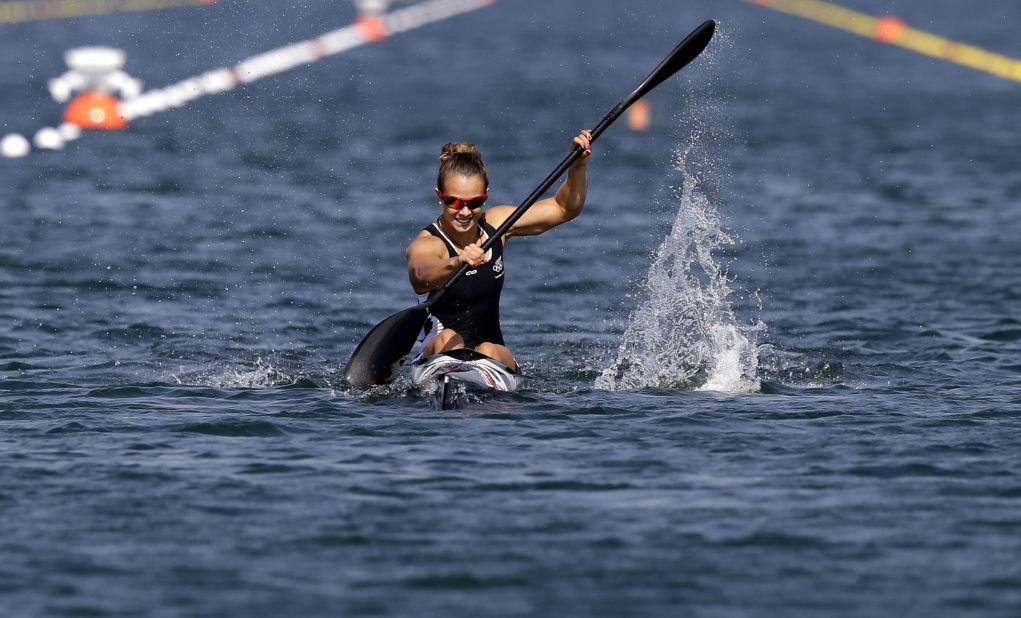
472, 255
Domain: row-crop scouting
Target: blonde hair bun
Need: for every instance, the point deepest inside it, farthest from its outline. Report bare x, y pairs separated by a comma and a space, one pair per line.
463, 159
454, 148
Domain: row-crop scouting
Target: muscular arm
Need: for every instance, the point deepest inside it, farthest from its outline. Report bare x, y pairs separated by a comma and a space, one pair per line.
565, 205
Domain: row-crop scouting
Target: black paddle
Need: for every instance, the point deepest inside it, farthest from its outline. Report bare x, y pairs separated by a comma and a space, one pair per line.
381, 353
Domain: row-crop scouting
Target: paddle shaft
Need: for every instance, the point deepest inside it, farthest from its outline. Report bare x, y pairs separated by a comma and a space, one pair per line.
686, 51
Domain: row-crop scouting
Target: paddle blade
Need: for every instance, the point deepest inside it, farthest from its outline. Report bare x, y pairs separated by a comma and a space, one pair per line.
379, 356
686, 51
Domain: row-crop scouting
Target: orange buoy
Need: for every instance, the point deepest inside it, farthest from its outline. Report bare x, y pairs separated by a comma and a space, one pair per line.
373, 27
95, 110
638, 116
890, 29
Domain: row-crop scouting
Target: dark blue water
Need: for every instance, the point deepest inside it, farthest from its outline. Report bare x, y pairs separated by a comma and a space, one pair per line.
776, 364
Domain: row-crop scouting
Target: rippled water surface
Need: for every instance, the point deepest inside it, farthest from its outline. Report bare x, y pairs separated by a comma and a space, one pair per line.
775, 365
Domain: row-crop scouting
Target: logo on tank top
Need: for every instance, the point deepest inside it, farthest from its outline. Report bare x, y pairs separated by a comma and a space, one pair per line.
498, 266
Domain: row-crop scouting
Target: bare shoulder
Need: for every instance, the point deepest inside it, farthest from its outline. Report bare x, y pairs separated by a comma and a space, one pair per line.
496, 215
426, 245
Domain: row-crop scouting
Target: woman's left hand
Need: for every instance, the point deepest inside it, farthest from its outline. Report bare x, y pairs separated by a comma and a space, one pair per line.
583, 141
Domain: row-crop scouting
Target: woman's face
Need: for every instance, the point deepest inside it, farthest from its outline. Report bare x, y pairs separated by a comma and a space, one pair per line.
463, 219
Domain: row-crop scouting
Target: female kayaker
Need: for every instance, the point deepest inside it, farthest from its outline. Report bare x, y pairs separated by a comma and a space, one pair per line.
468, 314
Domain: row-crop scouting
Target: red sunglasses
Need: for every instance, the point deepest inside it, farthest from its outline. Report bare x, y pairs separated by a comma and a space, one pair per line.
457, 203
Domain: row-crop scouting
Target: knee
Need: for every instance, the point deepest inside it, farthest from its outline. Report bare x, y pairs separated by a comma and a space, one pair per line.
449, 340
489, 349
497, 352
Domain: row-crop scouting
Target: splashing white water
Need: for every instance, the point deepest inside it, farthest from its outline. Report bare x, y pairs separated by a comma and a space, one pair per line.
262, 375
684, 333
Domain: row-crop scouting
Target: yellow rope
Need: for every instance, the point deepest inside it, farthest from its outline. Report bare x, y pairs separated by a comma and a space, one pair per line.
34, 10
895, 32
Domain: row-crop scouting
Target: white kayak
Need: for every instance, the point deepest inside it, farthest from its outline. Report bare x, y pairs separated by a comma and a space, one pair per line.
449, 374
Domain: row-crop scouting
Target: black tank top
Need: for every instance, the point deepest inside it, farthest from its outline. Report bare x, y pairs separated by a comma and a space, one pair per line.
472, 306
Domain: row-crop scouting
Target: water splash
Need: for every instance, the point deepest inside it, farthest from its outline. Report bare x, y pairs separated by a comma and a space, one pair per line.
684, 333
262, 375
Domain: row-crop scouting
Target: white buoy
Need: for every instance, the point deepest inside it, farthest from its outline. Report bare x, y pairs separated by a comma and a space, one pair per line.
95, 60
14, 145
60, 89
48, 138
69, 131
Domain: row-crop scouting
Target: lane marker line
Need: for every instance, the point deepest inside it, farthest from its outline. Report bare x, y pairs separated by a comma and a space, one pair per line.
260, 66
893, 31
20, 11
